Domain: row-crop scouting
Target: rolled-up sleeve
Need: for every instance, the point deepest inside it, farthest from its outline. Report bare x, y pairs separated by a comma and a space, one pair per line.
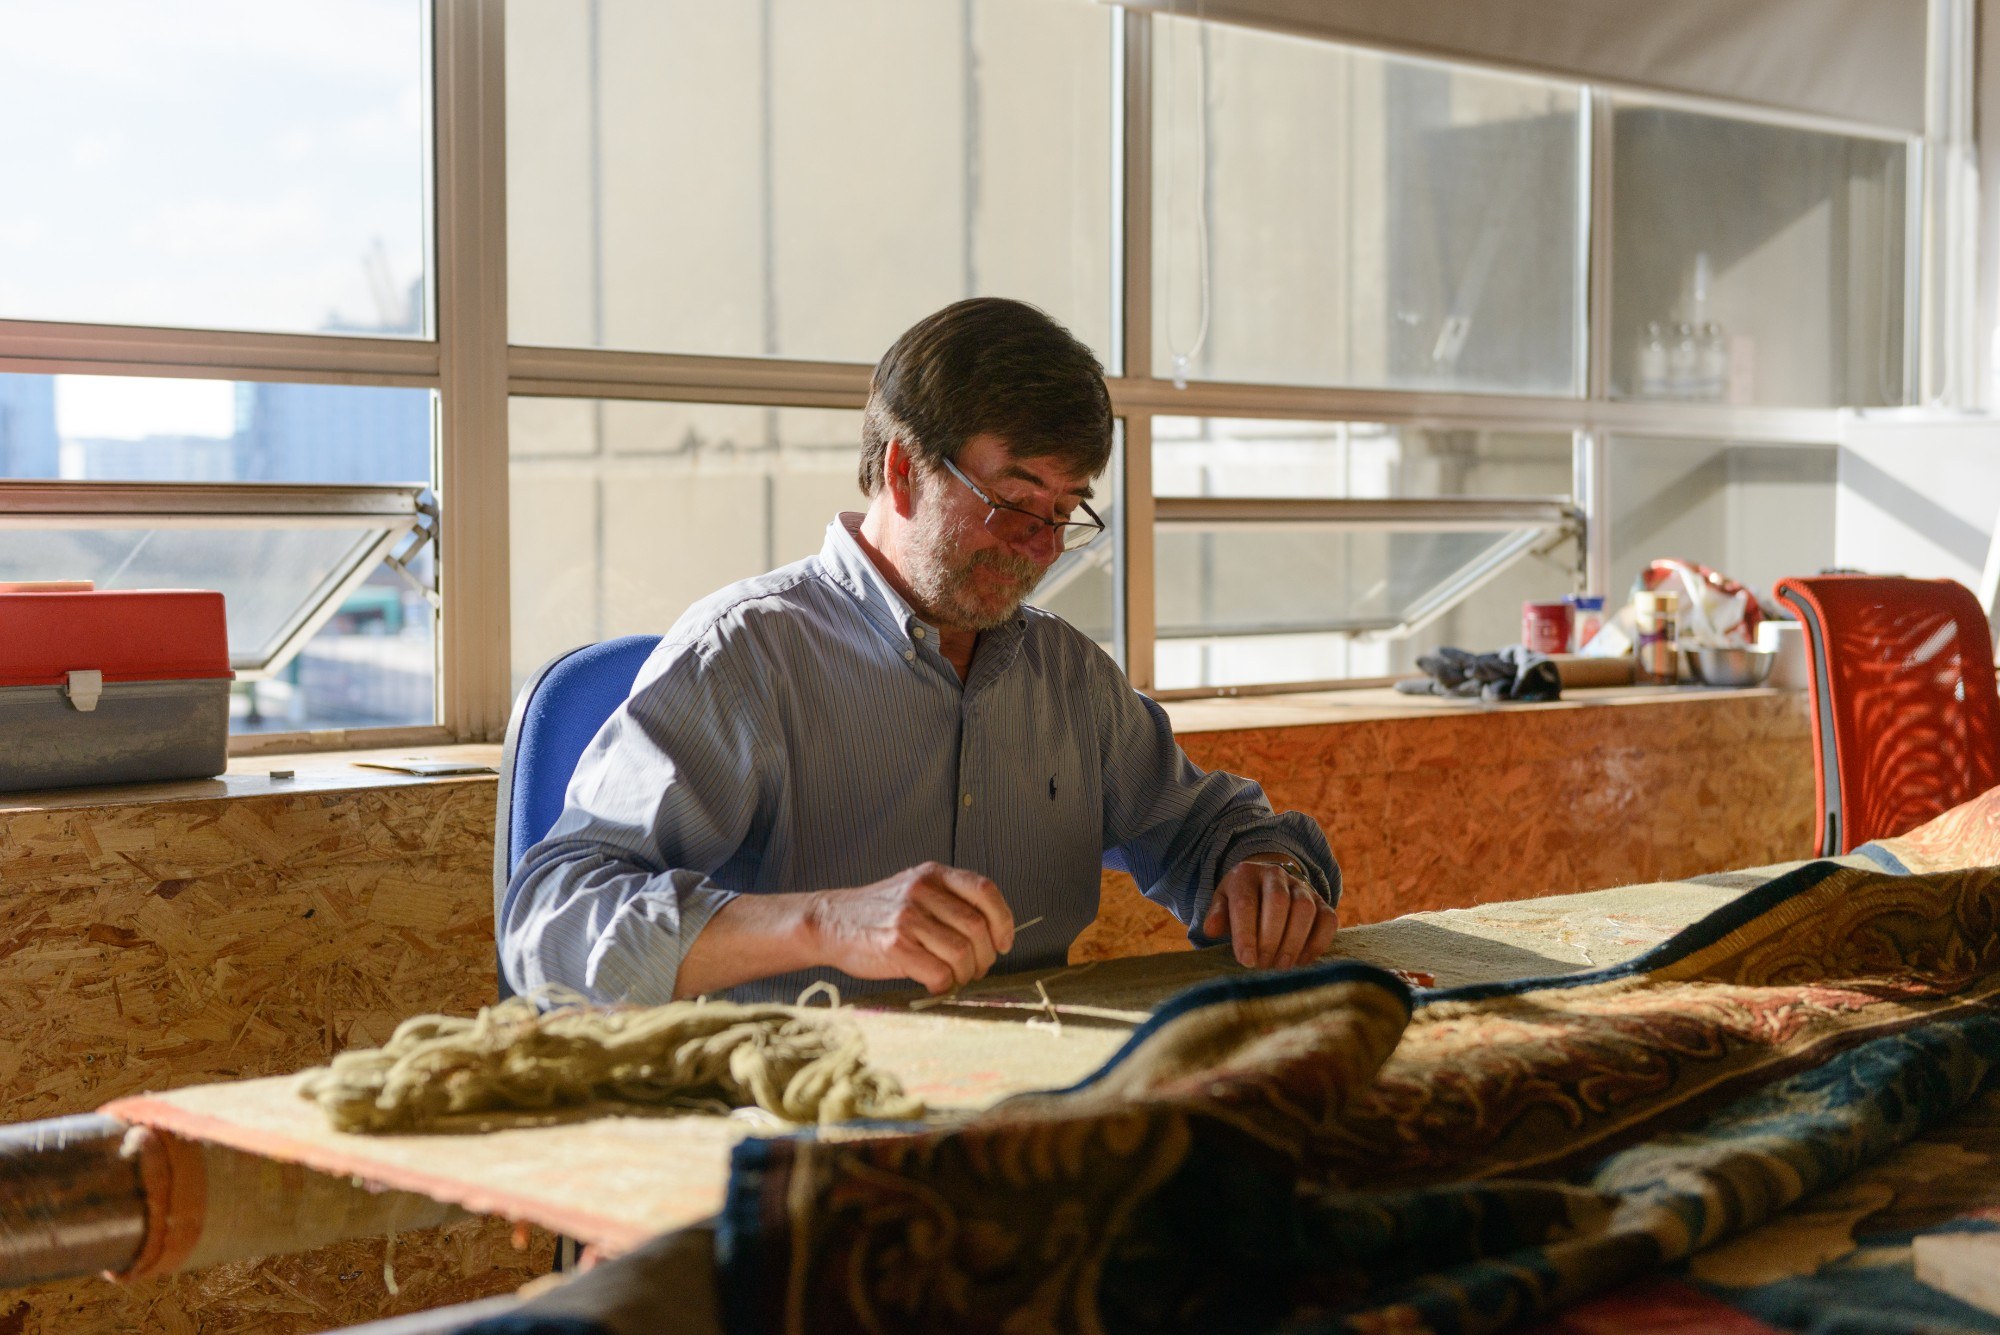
610, 900
1178, 828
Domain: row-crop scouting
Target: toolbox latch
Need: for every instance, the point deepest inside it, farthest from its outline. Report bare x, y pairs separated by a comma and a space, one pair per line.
84, 689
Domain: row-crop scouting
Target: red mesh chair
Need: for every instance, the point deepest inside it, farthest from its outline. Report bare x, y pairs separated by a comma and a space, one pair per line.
1906, 714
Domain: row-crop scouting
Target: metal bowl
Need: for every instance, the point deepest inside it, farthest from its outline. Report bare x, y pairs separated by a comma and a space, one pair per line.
1731, 667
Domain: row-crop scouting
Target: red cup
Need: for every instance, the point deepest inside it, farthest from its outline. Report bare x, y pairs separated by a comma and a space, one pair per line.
1545, 627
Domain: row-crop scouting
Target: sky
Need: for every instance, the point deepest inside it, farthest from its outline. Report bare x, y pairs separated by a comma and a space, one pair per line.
205, 164
132, 408
210, 163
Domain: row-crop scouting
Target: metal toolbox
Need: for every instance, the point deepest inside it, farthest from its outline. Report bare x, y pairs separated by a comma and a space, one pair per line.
112, 687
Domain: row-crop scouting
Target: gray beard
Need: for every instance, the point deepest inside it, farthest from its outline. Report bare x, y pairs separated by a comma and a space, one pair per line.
941, 576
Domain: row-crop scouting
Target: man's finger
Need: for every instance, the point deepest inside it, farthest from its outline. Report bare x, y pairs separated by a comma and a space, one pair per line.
982, 894
1243, 904
963, 918
1326, 924
920, 927
1298, 924
912, 961
1274, 910
1216, 923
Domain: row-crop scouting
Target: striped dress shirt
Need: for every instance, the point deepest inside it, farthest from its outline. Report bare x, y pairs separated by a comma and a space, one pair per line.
801, 731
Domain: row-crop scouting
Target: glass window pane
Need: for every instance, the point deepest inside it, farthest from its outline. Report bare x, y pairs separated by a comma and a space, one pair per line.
1216, 456
1366, 221
216, 163
265, 575
626, 513
1224, 621
1757, 513
1755, 263
134, 429
372, 663
803, 178
1348, 581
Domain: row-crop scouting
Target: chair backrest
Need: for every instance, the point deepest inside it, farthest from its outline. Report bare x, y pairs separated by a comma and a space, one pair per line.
555, 716
1906, 715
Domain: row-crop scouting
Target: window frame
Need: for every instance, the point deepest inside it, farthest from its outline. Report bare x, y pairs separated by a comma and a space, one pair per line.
474, 369
397, 520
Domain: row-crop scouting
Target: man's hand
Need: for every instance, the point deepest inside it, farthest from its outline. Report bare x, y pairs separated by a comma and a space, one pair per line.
942, 926
1274, 919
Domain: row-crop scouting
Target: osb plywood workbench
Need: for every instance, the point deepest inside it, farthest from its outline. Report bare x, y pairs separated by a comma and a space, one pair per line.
161, 936
156, 936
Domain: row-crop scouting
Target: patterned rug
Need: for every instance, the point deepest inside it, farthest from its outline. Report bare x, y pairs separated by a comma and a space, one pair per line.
1329, 1151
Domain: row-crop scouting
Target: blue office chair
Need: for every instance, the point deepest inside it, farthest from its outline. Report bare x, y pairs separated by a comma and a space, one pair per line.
555, 716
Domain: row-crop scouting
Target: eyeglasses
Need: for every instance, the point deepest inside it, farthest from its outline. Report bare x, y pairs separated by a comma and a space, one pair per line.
1010, 523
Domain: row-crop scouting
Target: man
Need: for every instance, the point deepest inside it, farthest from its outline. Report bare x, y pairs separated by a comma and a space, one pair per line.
876, 765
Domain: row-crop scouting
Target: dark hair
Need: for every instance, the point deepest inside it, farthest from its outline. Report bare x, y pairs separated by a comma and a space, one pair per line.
987, 364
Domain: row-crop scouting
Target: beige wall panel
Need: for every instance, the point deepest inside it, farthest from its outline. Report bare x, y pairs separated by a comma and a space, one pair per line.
868, 130
818, 429
803, 504
685, 431
553, 558
671, 541
683, 196
1780, 514
1667, 501
1043, 226
548, 173
551, 426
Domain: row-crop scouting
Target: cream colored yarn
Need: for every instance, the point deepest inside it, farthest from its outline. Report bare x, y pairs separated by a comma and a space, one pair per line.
513, 1057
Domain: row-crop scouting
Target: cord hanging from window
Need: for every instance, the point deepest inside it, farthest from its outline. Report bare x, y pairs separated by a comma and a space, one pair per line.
1181, 360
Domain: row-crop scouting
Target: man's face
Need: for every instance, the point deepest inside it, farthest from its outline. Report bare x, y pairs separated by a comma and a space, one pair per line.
962, 574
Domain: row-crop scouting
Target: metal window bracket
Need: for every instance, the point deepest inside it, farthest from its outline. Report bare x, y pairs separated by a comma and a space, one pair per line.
424, 533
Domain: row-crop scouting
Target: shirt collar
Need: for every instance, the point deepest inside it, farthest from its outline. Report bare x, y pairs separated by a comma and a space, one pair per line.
852, 569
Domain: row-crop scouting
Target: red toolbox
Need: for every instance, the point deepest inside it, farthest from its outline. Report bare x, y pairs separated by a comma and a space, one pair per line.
112, 687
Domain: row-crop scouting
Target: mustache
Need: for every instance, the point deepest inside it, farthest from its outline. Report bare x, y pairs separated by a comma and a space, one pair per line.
1013, 565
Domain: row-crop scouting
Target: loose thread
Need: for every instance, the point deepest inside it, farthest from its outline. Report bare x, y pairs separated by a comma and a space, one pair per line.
1054, 1022
1022, 927
822, 988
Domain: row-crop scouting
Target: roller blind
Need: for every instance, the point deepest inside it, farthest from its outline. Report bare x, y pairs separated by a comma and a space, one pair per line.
1860, 61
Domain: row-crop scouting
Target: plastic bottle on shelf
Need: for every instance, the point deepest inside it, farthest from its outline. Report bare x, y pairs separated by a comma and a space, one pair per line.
1713, 347
1708, 354
1683, 363
1653, 378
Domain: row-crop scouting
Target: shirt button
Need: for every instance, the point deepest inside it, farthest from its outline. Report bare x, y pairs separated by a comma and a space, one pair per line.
966, 800
917, 633
909, 654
